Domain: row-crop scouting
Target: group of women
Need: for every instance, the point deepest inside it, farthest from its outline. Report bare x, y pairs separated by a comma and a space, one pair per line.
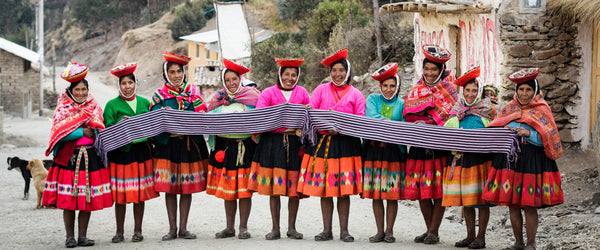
278, 163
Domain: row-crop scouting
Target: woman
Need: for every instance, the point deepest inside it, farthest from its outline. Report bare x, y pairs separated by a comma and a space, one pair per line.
179, 160
77, 179
131, 172
384, 163
231, 155
532, 181
276, 163
333, 167
429, 102
465, 173
492, 92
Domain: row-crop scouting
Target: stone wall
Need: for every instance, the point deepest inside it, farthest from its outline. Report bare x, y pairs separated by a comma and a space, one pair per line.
549, 42
20, 85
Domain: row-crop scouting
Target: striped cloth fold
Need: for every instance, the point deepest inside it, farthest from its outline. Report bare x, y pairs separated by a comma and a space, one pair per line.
150, 124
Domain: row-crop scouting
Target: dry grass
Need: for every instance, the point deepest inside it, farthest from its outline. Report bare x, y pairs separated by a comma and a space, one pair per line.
584, 10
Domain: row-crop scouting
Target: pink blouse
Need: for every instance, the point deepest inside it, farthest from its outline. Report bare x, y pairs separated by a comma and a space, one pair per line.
272, 96
353, 102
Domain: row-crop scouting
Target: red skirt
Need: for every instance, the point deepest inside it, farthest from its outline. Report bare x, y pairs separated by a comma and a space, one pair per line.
132, 174
424, 174
276, 165
84, 184
228, 180
532, 181
332, 168
180, 166
384, 165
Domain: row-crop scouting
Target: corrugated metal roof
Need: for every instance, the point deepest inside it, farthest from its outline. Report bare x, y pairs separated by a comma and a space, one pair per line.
261, 34
210, 36
19, 50
203, 76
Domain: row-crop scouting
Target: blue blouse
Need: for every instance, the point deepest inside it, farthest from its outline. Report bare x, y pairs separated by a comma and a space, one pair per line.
374, 105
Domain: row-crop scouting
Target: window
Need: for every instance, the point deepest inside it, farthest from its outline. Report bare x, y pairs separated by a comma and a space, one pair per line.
532, 6
197, 50
208, 54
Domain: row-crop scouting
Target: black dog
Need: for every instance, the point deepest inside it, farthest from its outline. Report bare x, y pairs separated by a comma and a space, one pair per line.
21, 165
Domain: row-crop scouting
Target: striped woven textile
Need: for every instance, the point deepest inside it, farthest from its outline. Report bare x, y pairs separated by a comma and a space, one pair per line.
150, 124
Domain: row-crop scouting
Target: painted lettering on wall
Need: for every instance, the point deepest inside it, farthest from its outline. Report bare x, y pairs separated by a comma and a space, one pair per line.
478, 46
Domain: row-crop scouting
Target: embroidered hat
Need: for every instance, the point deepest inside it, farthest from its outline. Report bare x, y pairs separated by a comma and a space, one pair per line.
123, 69
342, 54
524, 75
435, 53
471, 74
235, 67
292, 62
176, 58
385, 72
74, 72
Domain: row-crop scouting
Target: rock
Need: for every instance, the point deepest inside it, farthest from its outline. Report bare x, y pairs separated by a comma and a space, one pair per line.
553, 32
561, 117
567, 73
596, 200
597, 211
516, 36
541, 29
514, 19
560, 59
548, 69
566, 135
548, 24
564, 89
556, 107
562, 213
545, 80
520, 50
556, 20
543, 55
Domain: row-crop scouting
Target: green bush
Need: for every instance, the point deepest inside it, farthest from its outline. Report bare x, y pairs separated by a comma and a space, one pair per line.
280, 45
189, 18
329, 13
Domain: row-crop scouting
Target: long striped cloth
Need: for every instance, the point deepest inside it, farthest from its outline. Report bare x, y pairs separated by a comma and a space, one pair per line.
150, 124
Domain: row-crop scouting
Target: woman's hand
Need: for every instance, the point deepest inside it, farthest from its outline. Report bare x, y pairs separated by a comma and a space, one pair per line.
332, 132
253, 137
521, 131
88, 132
166, 107
125, 117
419, 122
307, 106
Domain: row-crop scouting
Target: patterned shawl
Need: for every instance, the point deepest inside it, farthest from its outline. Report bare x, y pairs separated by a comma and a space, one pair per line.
537, 114
69, 116
247, 96
437, 100
483, 108
186, 95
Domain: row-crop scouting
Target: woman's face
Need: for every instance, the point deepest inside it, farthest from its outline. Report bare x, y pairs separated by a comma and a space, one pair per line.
470, 92
430, 72
289, 77
338, 73
525, 94
232, 81
80, 92
175, 74
489, 93
127, 86
388, 88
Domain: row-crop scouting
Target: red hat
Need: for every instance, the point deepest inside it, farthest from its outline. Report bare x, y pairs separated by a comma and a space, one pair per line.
385, 72
123, 69
524, 75
176, 58
436, 54
342, 54
74, 72
293, 62
468, 76
235, 67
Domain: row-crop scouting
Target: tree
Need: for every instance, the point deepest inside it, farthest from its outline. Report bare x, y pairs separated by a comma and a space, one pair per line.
329, 13
281, 45
189, 18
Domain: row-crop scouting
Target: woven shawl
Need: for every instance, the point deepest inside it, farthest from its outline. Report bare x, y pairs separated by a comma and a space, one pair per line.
437, 100
537, 114
186, 95
483, 108
247, 96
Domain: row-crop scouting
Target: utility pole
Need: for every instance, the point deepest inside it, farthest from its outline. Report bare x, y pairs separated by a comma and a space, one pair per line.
41, 52
377, 32
53, 67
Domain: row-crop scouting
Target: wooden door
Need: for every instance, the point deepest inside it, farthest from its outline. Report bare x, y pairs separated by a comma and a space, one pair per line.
595, 93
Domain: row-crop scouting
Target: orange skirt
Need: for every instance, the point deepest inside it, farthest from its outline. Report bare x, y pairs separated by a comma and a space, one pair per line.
228, 180
333, 168
132, 174
180, 166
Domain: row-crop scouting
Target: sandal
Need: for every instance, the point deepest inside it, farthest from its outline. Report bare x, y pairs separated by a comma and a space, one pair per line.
323, 236
295, 235
420, 238
137, 237
117, 239
224, 234
85, 242
244, 235
389, 238
273, 236
514, 247
476, 245
169, 236
431, 239
187, 235
463, 243
70, 243
347, 238
376, 238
